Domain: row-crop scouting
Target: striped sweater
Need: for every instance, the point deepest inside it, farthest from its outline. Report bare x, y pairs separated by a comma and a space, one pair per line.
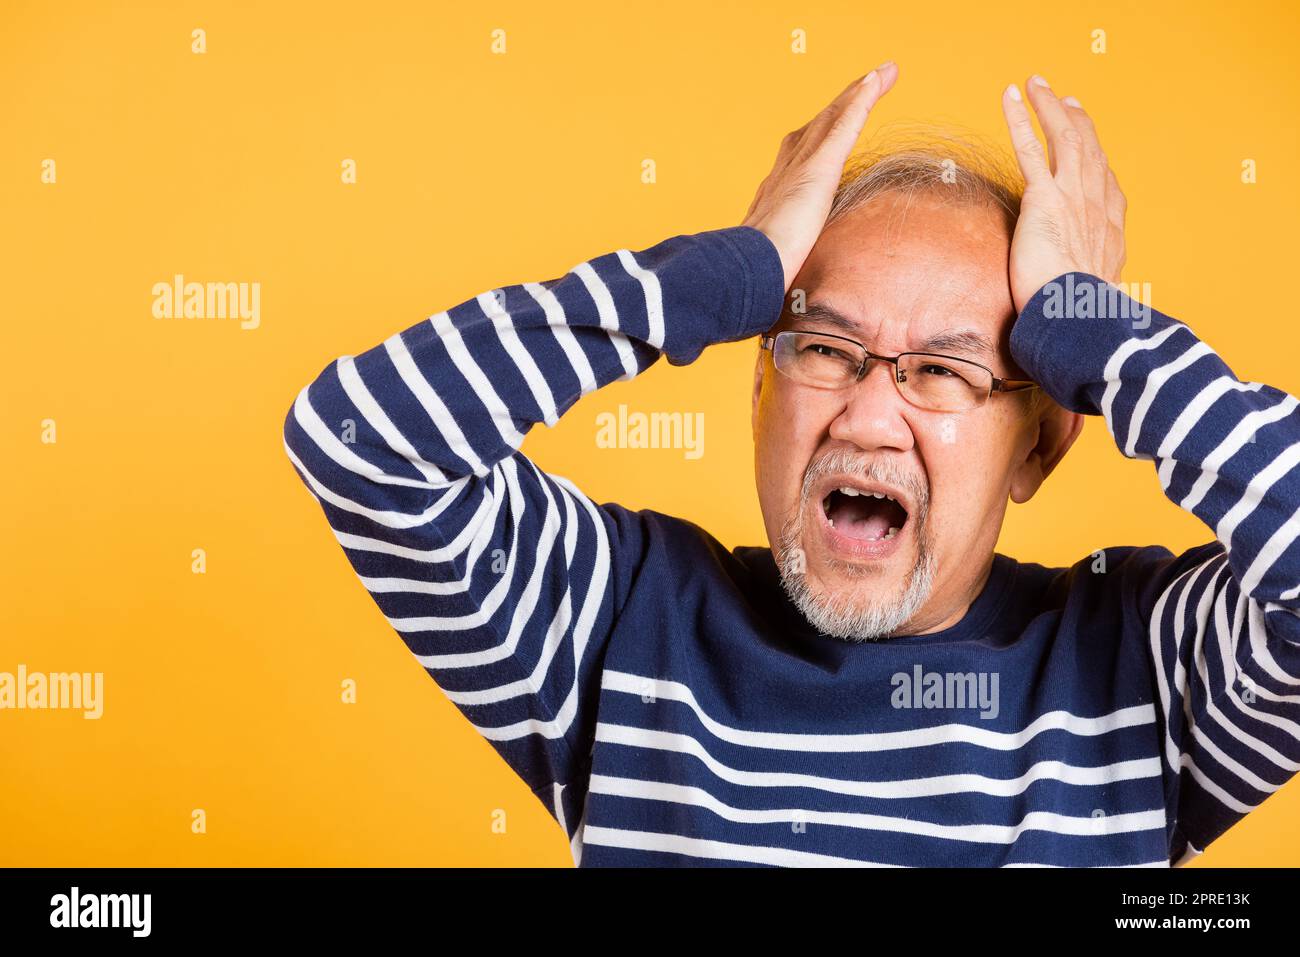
668, 704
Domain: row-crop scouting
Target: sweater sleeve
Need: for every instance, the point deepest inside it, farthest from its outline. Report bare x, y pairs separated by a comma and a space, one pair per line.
1222, 619
503, 580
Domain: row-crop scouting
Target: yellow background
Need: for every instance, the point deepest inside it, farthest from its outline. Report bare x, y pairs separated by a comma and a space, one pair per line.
222, 691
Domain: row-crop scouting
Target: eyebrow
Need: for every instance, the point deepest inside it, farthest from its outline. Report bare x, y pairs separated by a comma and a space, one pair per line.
948, 341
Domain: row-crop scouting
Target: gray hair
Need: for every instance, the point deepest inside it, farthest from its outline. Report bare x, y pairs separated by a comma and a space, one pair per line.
912, 159
916, 159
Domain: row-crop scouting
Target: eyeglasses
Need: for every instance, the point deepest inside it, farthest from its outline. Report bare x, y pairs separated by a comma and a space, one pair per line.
934, 382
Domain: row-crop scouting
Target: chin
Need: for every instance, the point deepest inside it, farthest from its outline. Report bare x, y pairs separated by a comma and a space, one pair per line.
855, 555
855, 596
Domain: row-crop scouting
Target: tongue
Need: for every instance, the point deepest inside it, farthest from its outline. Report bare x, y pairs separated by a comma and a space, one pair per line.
857, 519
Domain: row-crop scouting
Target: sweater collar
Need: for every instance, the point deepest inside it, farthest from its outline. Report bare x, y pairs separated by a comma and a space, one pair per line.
978, 621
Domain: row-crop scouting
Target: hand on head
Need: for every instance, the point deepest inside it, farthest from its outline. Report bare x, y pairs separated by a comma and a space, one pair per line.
1071, 216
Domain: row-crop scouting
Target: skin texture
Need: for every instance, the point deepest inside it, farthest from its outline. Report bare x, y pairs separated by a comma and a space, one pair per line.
903, 272
898, 272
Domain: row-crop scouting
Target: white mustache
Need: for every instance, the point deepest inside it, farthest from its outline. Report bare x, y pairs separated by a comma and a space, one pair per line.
869, 470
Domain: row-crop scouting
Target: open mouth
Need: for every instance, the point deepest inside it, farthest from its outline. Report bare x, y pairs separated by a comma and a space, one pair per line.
869, 516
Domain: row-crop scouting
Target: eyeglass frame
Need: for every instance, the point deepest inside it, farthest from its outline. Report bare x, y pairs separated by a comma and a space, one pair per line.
1002, 384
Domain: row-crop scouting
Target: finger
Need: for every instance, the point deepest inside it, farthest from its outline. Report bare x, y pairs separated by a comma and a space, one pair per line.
1029, 151
828, 112
1094, 167
789, 145
1064, 143
844, 132
1116, 201
843, 119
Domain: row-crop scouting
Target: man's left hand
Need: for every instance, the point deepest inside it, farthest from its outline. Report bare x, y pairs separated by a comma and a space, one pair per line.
1072, 214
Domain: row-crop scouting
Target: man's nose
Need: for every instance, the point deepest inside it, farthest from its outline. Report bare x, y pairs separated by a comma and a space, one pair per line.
874, 413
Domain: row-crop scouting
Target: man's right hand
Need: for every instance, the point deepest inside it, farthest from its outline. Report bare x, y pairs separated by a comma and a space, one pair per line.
794, 200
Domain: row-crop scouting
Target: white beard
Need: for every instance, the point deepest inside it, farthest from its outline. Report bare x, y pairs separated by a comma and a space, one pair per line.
847, 615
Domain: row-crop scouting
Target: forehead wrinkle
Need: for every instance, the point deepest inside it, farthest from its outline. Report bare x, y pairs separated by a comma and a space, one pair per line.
965, 340
958, 341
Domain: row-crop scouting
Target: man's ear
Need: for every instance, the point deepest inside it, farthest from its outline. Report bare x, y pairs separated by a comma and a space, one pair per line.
1051, 438
759, 368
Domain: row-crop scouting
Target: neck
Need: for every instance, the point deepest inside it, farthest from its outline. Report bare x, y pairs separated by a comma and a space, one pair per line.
942, 611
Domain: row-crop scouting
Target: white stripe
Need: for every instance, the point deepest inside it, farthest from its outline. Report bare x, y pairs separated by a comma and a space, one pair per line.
559, 726
575, 845
333, 446
509, 336
1048, 821
599, 573
483, 519
1258, 632
1190, 417
531, 684
1213, 789
1177, 758
1219, 720
1151, 388
1156, 641
564, 335
1247, 615
370, 410
479, 531
1277, 543
937, 785
1110, 374
1196, 409
388, 519
524, 601
882, 740
438, 413
713, 850
557, 792
1205, 593
1224, 635
608, 313
488, 606
1188, 855
1162, 864
479, 383
1241, 434
1254, 493
654, 298
746, 853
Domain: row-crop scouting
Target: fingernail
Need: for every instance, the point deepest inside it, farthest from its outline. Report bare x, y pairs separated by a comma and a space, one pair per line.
1071, 101
885, 65
1014, 92
1039, 80
869, 77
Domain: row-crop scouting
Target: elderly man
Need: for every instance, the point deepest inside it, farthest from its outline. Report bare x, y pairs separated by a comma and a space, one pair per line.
878, 687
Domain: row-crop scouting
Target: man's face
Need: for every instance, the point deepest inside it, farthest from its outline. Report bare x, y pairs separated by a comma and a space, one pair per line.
899, 276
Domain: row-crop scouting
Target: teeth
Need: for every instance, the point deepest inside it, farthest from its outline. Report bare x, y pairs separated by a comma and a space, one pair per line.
890, 534
854, 493
832, 522
848, 490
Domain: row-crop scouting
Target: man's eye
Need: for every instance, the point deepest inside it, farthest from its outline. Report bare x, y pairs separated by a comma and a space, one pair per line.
829, 352
930, 369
